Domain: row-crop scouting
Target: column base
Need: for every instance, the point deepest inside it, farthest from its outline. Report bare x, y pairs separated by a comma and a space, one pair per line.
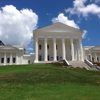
36, 61
82, 60
55, 60
45, 60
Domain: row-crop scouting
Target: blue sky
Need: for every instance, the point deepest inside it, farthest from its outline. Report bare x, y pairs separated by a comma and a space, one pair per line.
82, 14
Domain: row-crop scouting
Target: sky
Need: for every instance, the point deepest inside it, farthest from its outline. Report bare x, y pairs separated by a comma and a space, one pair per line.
18, 19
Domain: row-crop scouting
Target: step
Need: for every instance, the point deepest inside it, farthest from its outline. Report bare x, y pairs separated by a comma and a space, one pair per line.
81, 64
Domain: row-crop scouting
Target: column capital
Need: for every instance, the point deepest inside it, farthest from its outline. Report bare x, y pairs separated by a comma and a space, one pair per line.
54, 37
71, 38
63, 37
80, 39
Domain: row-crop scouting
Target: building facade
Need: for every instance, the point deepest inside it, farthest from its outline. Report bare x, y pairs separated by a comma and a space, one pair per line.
14, 55
57, 42
51, 43
92, 53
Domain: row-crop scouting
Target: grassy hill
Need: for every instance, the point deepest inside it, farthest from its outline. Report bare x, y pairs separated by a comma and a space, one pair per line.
46, 82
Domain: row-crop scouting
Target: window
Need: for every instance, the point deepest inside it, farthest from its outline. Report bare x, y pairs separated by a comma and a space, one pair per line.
57, 58
2, 60
92, 59
40, 58
28, 61
48, 47
40, 47
14, 60
8, 60
70, 47
97, 59
48, 58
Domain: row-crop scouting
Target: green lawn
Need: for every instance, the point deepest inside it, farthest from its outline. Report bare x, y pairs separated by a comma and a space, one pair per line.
46, 82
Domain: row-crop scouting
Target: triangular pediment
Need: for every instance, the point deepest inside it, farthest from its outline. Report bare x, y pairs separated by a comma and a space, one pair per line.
58, 27
95, 48
8, 47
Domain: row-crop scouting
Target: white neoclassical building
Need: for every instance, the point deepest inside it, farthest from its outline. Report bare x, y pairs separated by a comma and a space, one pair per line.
92, 53
52, 43
14, 55
56, 42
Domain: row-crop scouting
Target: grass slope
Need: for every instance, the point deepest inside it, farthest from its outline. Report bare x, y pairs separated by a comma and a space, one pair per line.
46, 82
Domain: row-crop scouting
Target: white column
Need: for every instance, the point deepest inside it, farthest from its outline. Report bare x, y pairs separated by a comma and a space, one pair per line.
81, 49
63, 49
21, 59
36, 50
10, 58
90, 56
54, 49
75, 51
45, 49
95, 57
99, 57
5, 58
78, 58
17, 58
72, 49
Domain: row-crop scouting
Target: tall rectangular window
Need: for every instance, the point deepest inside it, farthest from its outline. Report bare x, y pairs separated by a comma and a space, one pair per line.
2, 60
40, 58
8, 60
40, 47
48, 47
14, 60
28, 61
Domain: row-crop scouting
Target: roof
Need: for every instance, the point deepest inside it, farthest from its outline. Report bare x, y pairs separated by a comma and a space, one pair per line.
95, 48
58, 26
7, 47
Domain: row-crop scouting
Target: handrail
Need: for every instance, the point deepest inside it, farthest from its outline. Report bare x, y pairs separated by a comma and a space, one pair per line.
88, 63
67, 62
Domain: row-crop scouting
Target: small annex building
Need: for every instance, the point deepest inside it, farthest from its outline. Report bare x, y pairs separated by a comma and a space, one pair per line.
14, 55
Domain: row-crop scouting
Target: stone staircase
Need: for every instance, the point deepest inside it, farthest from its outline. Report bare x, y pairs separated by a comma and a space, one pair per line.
81, 64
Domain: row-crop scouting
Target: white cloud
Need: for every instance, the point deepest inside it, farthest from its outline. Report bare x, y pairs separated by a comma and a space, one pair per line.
64, 19
31, 53
30, 48
84, 34
16, 26
79, 8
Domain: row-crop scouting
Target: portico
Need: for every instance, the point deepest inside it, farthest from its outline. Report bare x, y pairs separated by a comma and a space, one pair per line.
8, 58
10, 55
58, 42
94, 54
